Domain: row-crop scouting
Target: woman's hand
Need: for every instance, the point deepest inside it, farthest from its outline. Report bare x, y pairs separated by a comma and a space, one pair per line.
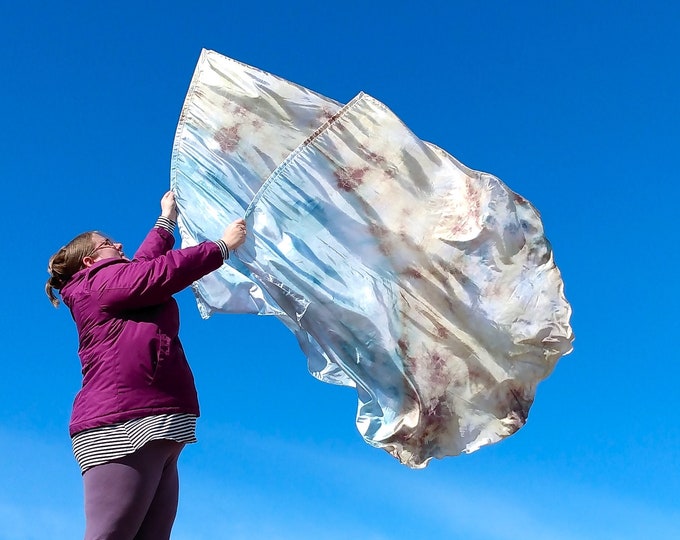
169, 206
235, 234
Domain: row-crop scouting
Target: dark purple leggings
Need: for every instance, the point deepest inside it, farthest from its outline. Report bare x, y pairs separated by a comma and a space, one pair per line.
134, 497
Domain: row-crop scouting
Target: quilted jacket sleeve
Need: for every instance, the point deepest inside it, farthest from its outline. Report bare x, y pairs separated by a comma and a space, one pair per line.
157, 242
142, 283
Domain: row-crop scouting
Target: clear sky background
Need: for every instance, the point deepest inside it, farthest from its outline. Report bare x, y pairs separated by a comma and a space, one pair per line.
574, 105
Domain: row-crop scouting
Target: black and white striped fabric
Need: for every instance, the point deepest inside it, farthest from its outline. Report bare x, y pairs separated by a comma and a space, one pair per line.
103, 444
165, 223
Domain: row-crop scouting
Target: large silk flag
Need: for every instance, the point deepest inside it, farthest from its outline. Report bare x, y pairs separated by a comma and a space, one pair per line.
429, 287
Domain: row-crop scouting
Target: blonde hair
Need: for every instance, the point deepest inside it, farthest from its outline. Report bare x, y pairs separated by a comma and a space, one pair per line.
66, 262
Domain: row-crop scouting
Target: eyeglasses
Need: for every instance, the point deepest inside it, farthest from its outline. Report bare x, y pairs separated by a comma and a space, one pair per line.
105, 244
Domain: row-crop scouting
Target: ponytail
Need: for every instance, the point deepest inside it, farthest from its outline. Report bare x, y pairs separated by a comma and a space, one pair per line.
66, 262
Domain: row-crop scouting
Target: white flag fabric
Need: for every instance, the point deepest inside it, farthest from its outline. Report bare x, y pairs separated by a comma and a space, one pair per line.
429, 287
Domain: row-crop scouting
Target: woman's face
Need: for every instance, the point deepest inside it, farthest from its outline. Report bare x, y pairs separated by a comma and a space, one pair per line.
104, 248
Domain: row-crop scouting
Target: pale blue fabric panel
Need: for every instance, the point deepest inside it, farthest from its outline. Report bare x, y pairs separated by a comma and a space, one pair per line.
429, 287
237, 125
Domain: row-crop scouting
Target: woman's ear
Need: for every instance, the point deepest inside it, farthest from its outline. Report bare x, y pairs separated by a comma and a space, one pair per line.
88, 261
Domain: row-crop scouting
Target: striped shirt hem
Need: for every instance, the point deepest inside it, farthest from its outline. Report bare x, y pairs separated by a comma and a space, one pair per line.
223, 248
103, 444
165, 223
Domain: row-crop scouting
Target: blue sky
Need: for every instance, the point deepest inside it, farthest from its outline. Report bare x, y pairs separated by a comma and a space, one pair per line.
575, 106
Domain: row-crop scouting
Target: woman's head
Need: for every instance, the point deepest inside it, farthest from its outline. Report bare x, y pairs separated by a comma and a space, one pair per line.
81, 252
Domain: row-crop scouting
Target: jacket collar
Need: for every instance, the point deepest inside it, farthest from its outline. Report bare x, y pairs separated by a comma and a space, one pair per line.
77, 280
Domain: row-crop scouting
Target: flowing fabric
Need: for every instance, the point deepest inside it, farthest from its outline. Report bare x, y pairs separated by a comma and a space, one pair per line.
427, 286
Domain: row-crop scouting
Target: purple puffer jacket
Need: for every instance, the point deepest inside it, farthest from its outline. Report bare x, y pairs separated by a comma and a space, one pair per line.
133, 364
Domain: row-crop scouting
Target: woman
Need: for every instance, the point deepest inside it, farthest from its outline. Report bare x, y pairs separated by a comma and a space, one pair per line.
137, 407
